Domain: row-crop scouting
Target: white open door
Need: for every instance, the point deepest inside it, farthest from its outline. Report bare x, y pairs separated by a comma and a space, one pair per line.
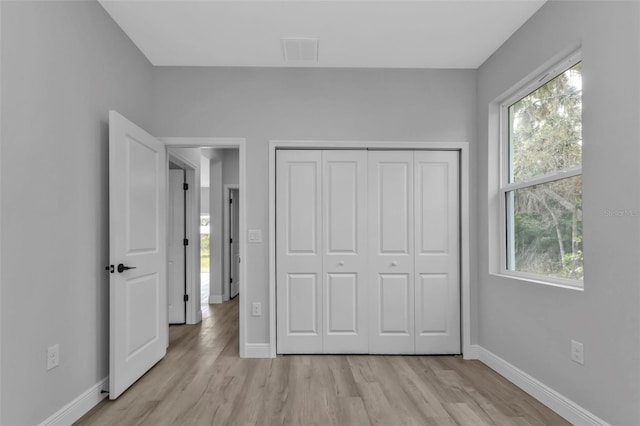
234, 250
137, 237
176, 253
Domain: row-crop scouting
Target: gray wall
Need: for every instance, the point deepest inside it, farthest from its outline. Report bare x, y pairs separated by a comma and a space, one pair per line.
265, 104
64, 66
231, 167
531, 325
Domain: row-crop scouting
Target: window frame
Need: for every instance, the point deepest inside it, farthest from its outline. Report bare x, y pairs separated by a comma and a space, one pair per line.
504, 164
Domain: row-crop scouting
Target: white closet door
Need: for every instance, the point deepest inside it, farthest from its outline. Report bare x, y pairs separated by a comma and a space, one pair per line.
391, 248
344, 189
437, 252
299, 251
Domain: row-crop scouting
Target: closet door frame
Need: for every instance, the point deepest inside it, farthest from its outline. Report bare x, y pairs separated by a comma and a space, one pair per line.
463, 149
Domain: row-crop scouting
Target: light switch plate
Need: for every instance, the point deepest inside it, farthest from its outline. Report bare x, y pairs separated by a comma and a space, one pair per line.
255, 236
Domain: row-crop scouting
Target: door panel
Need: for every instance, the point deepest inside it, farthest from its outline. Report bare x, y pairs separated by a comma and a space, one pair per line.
137, 227
390, 213
342, 306
437, 260
302, 290
432, 292
432, 211
394, 303
298, 251
142, 312
344, 200
303, 207
142, 196
175, 248
394, 214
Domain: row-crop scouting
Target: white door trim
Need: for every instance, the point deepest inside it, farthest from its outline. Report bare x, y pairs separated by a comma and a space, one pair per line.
462, 147
192, 201
226, 254
240, 144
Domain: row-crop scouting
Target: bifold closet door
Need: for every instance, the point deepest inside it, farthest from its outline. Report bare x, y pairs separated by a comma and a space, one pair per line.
344, 177
414, 252
321, 249
437, 252
367, 252
391, 248
299, 251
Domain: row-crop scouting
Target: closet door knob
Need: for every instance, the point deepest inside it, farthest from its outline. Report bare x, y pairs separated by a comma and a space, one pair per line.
394, 263
341, 263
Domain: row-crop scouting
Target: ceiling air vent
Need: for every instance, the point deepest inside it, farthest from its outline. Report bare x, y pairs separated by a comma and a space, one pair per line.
300, 49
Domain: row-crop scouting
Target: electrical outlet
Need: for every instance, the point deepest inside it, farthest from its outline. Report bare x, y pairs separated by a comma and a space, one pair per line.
53, 356
577, 352
256, 309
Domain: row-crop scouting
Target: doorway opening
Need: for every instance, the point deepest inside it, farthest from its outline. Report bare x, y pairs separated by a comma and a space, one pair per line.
205, 261
217, 165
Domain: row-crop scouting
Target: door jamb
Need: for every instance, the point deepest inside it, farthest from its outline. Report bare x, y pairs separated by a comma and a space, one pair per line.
226, 252
240, 144
192, 208
462, 147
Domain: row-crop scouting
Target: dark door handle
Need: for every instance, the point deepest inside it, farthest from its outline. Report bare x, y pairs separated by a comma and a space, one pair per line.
122, 268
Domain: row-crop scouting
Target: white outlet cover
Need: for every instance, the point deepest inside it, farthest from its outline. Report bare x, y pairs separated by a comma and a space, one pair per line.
256, 309
577, 352
53, 356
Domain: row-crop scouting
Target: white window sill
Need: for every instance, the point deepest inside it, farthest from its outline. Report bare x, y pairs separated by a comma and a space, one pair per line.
535, 280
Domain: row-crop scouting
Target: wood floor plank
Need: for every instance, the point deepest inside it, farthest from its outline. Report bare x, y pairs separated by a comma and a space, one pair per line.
203, 381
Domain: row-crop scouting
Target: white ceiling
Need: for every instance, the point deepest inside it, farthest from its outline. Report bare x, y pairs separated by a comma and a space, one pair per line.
352, 33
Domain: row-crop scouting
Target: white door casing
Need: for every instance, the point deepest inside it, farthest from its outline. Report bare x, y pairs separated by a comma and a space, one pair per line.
234, 250
137, 229
437, 252
175, 247
344, 247
391, 252
299, 251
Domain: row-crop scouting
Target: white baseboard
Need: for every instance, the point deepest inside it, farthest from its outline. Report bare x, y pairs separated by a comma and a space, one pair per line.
257, 350
562, 405
79, 406
215, 300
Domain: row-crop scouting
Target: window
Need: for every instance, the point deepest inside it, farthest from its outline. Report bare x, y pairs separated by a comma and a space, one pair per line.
541, 190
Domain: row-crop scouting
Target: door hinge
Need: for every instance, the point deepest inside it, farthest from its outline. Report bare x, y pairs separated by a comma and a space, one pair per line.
185, 186
186, 298
230, 240
230, 200
185, 242
230, 280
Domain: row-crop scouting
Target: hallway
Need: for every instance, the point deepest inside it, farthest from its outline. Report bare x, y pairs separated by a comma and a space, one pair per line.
202, 381
204, 293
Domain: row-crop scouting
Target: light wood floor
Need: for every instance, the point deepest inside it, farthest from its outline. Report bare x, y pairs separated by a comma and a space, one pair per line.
202, 381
